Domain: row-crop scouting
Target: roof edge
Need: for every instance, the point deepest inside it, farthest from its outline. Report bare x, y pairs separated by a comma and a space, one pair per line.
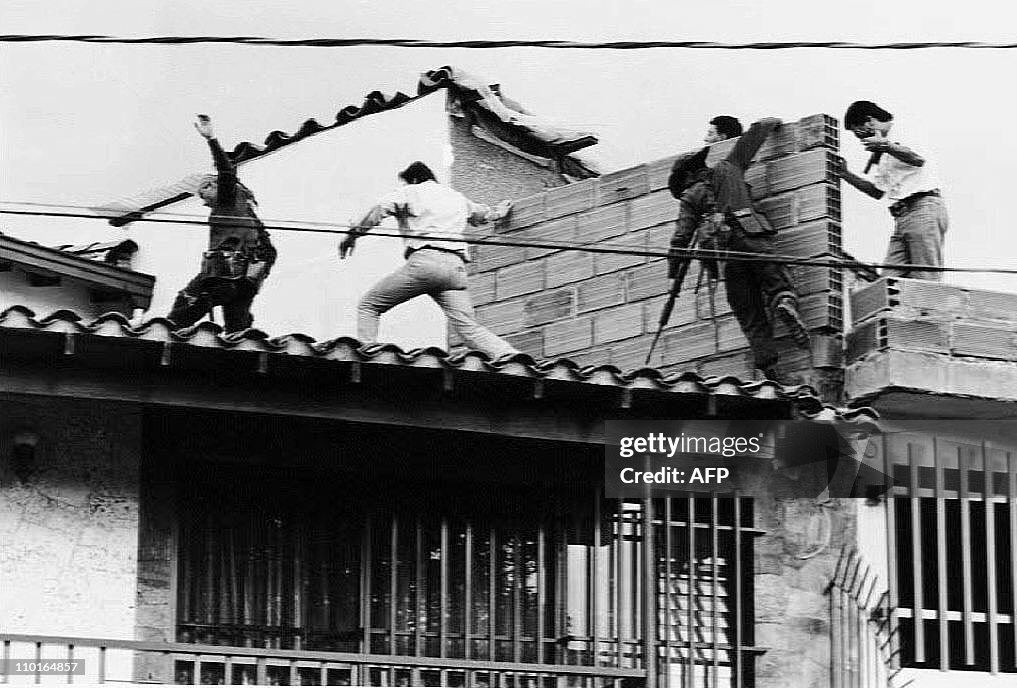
474, 93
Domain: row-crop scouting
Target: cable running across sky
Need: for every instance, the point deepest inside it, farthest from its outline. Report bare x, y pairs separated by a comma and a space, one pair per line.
497, 240
493, 44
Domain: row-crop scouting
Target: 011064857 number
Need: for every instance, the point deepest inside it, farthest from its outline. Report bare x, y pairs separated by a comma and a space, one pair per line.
15, 667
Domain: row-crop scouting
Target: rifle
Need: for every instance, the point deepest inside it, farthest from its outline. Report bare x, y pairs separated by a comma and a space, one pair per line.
676, 287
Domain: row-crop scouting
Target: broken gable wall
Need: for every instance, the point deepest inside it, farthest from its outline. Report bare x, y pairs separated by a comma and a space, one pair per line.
332, 177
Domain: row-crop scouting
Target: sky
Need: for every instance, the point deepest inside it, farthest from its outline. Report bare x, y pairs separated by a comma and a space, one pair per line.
86, 123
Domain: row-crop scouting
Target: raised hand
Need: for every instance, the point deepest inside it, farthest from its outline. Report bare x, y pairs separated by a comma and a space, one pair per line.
204, 126
346, 245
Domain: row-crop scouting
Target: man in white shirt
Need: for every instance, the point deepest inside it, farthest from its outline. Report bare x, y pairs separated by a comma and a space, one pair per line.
903, 171
432, 218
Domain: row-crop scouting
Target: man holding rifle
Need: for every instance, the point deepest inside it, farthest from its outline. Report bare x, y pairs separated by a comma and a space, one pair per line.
716, 204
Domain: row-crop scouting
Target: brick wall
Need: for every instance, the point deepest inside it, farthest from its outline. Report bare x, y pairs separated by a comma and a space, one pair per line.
932, 336
600, 308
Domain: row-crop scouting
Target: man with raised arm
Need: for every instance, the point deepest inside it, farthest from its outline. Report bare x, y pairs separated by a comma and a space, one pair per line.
239, 255
718, 198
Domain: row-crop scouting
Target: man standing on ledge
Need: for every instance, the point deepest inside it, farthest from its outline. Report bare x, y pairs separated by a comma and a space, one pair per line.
717, 198
908, 178
432, 218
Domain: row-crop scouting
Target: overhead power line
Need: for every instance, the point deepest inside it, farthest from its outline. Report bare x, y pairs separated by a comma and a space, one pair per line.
492, 240
477, 44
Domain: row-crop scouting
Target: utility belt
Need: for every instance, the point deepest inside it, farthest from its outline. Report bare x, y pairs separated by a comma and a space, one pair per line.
905, 204
228, 264
428, 247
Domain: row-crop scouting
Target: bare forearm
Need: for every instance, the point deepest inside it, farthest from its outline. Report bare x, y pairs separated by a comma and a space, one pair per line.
905, 155
861, 183
371, 219
482, 214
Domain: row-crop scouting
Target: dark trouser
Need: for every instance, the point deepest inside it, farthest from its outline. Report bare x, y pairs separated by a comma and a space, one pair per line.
753, 289
235, 296
193, 303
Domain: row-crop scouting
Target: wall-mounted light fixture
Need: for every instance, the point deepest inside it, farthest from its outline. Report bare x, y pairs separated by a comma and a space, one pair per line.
23, 443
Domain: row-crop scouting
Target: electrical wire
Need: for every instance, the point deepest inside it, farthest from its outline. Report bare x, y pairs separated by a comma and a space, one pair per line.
496, 240
488, 44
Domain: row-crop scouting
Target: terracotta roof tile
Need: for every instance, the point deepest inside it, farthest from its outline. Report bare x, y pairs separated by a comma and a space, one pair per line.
529, 133
207, 335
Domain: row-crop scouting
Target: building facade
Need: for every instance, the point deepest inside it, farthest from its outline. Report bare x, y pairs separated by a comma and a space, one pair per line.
178, 507
274, 511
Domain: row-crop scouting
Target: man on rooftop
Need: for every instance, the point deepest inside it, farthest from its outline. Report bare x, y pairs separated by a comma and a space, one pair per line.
904, 173
432, 218
240, 254
718, 199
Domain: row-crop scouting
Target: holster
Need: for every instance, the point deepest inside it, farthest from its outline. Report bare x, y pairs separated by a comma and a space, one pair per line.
222, 272
229, 264
750, 222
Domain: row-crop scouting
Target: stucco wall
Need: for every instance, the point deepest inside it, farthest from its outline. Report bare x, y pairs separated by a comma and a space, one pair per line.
15, 290
69, 534
490, 174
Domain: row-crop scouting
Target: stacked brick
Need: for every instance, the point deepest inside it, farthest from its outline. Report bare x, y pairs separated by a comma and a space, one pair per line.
603, 307
932, 337
932, 317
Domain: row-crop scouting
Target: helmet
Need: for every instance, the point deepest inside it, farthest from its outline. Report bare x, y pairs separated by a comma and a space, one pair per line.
686, 171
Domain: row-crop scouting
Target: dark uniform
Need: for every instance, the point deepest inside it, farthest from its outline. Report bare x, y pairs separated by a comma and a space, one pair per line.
239, 258
757, 291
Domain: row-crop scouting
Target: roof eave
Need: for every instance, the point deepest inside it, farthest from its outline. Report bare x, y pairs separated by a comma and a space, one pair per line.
138, 286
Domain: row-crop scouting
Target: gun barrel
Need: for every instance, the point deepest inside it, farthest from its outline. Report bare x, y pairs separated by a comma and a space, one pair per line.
676, 286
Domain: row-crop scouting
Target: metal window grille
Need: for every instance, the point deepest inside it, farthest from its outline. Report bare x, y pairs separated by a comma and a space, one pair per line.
517, 579
953, 553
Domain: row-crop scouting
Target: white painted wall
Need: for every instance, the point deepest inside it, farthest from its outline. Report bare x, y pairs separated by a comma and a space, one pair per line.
69, 535
15, 290
331, 177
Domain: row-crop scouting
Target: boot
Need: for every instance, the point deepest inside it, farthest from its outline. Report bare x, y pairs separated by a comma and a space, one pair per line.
787, 312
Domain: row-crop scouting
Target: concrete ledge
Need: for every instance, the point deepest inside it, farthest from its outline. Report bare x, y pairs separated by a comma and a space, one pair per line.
932, 373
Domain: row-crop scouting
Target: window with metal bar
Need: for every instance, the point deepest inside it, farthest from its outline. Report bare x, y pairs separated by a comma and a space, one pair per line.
264, 563
705, 620
555, 577
953, 554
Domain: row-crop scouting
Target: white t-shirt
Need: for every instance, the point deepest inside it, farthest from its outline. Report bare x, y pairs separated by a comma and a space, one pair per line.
430, 208
896, 178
